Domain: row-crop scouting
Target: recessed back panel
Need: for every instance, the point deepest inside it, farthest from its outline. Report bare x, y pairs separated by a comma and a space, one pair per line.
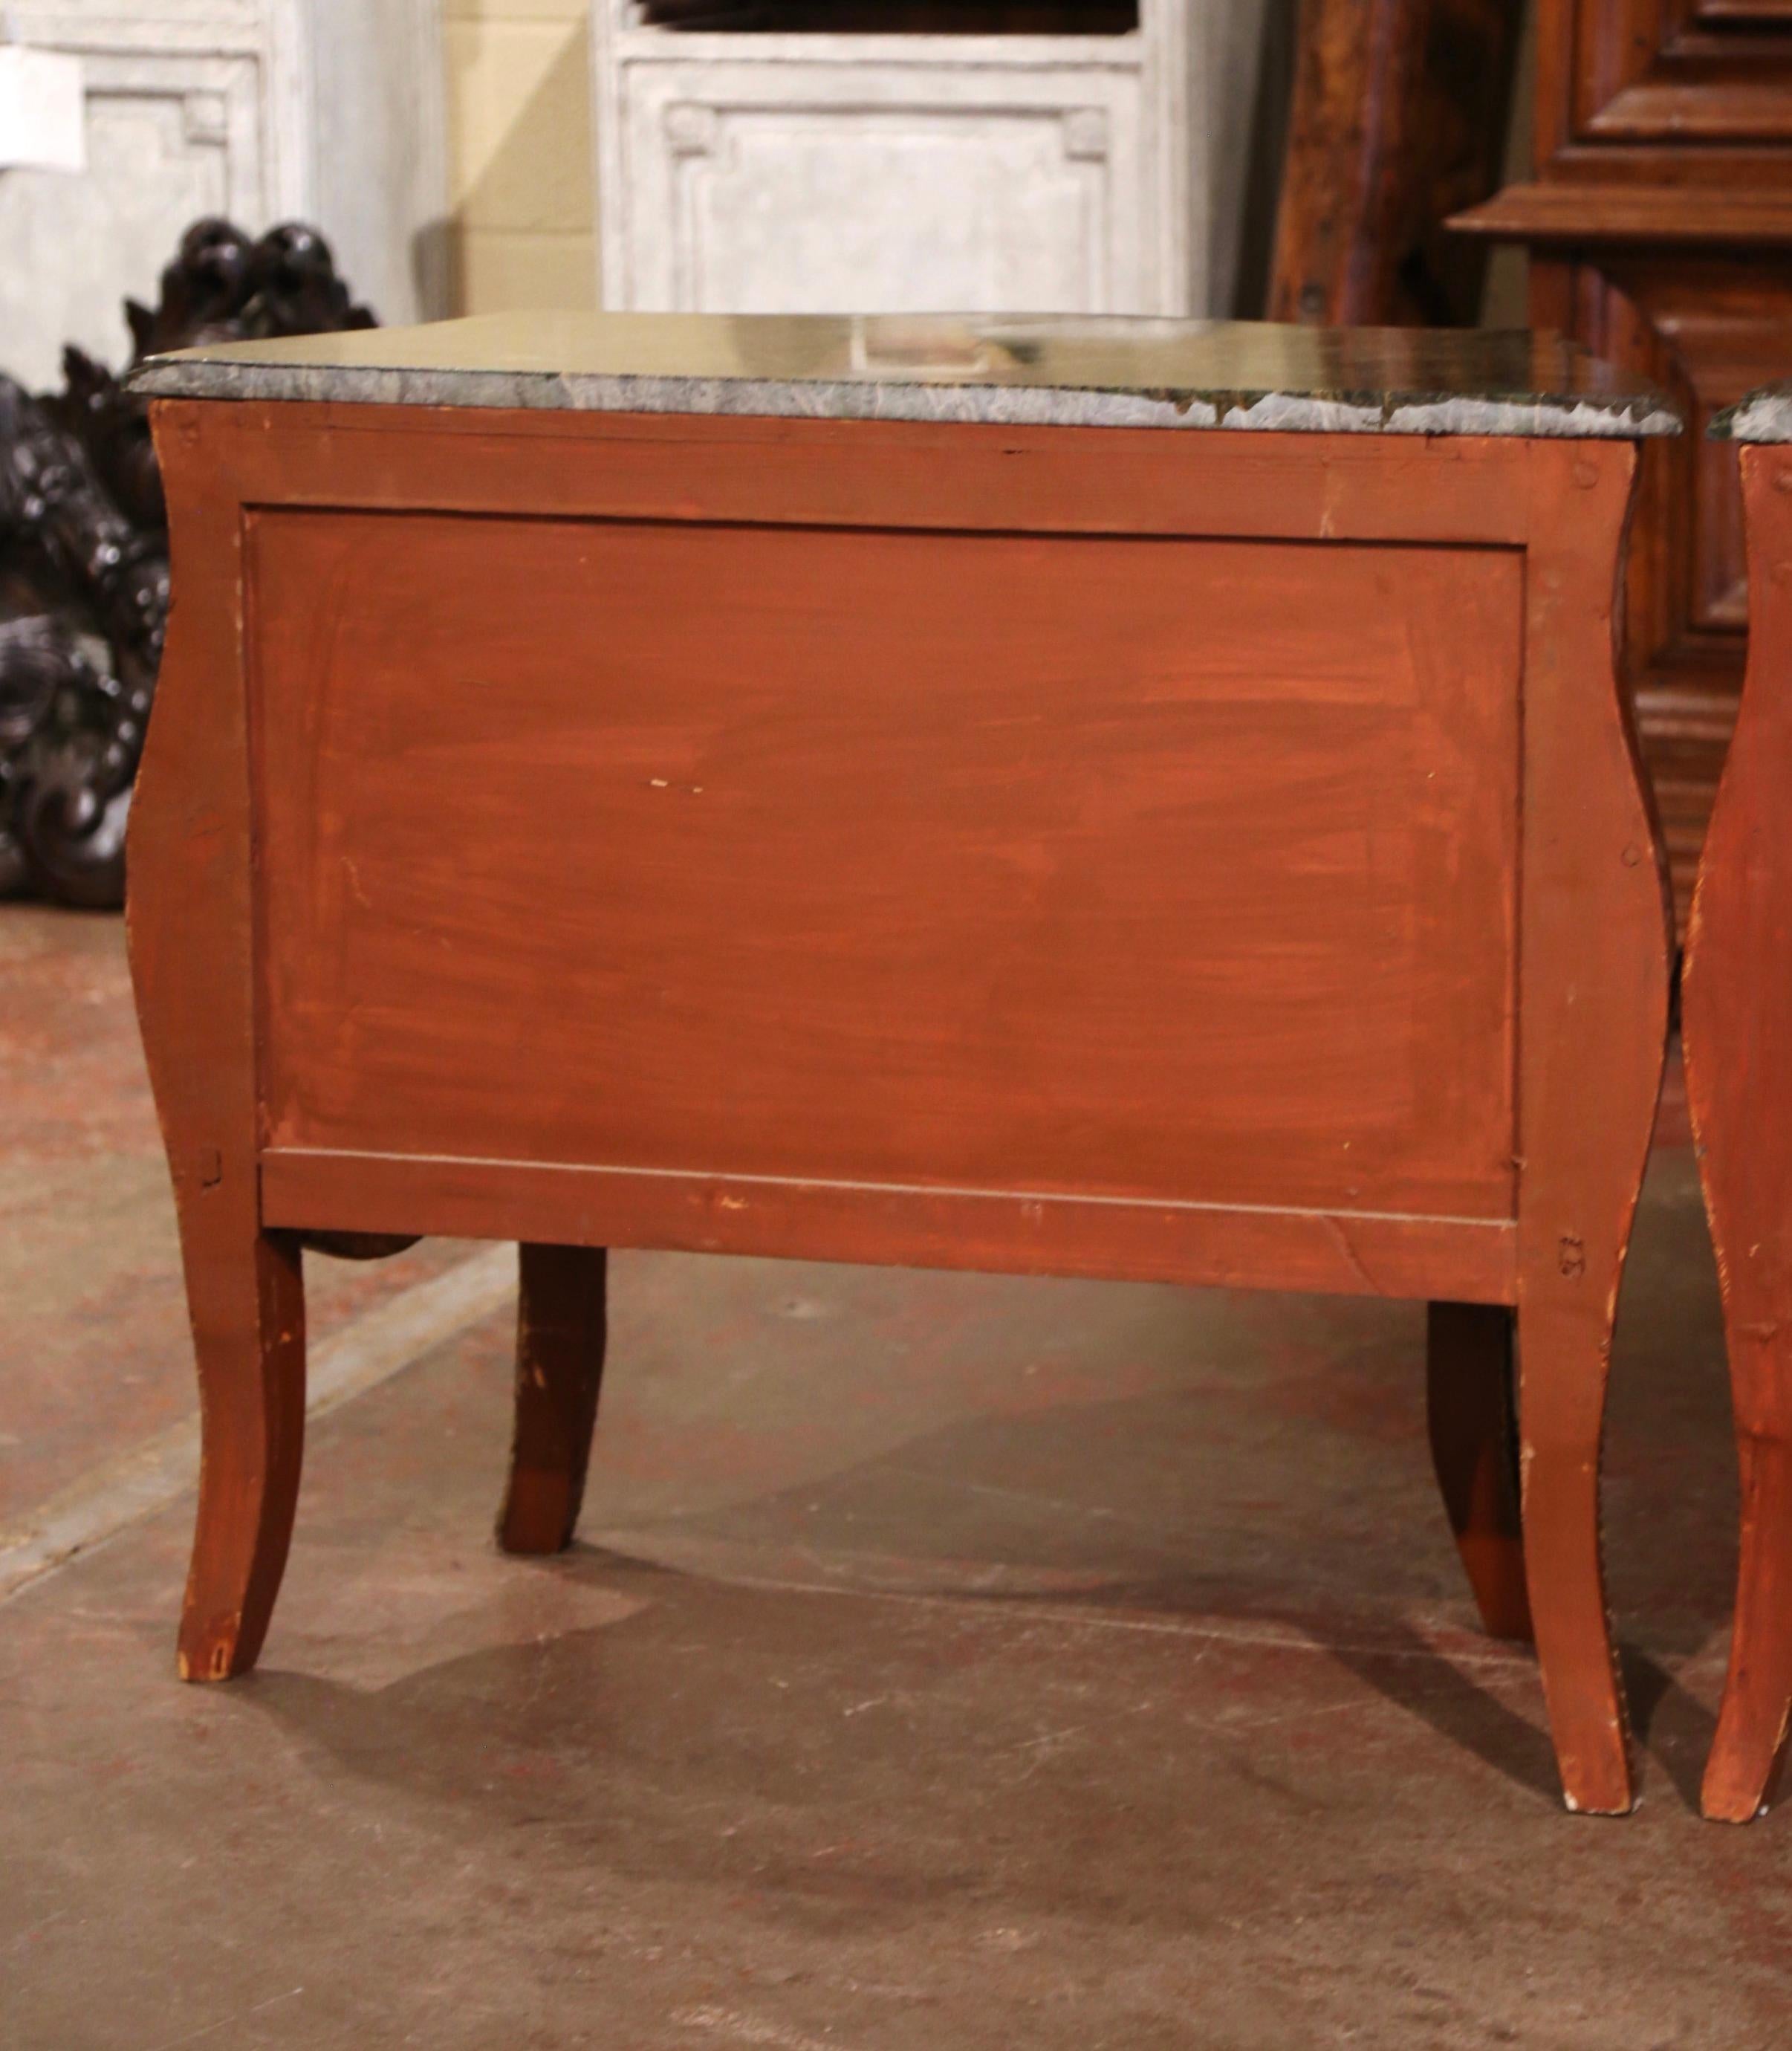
982, 860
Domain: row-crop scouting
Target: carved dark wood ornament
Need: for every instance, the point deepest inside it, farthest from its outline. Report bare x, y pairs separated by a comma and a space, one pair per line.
1659, 221
84, 557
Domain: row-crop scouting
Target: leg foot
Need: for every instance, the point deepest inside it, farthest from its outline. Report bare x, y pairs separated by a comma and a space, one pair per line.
1474, 1447
559, 1366
248, 1316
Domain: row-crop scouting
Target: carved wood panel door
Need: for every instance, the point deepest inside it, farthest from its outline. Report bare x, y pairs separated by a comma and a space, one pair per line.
1660, 229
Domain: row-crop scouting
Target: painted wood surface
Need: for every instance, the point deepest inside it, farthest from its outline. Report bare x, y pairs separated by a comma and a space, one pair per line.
1736, 1012
713, 1211
1068, 851
1593, 1003
995, 863
190, 925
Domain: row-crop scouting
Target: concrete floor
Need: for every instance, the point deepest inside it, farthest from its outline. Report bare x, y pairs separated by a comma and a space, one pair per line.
947, 1661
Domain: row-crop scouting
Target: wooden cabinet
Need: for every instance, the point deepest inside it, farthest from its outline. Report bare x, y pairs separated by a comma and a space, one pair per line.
790, 157
1659, 224
989, 795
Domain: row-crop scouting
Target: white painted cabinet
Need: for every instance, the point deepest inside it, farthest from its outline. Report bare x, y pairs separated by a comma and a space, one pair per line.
328, 111
745, 172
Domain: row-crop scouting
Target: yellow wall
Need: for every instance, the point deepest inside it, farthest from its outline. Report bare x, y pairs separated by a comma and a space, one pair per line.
519, 154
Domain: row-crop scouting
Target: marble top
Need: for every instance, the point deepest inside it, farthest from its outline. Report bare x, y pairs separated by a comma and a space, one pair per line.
1049, 371
1765, 415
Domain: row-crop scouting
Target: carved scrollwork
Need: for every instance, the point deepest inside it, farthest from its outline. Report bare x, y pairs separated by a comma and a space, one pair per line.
83, 556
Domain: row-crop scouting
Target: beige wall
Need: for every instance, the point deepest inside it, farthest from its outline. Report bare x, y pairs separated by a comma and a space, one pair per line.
519, 154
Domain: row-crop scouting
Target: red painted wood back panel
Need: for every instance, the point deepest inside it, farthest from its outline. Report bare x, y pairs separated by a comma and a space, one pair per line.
1142, 867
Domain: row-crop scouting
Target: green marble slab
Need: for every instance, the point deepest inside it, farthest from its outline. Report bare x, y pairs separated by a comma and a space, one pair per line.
1057, 371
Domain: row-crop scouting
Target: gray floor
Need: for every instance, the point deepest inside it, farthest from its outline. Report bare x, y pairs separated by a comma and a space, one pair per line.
947, 1661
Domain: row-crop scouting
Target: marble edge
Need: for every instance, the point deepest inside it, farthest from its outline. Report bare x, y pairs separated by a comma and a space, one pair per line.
1765, 415
1620, 417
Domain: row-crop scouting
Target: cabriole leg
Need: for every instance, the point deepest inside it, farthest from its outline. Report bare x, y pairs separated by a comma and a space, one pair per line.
1736, 1013
1471, 1410
1564, 1355
559, 1367
247, 1303
1594, 965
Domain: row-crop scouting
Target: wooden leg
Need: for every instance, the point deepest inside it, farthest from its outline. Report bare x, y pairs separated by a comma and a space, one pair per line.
1563, 1361
1736, 1013
1472, 1411
1592, 1036
560, 1366
247, 1303
190, 916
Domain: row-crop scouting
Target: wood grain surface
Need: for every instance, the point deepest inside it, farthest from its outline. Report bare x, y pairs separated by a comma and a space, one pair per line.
1398, 121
